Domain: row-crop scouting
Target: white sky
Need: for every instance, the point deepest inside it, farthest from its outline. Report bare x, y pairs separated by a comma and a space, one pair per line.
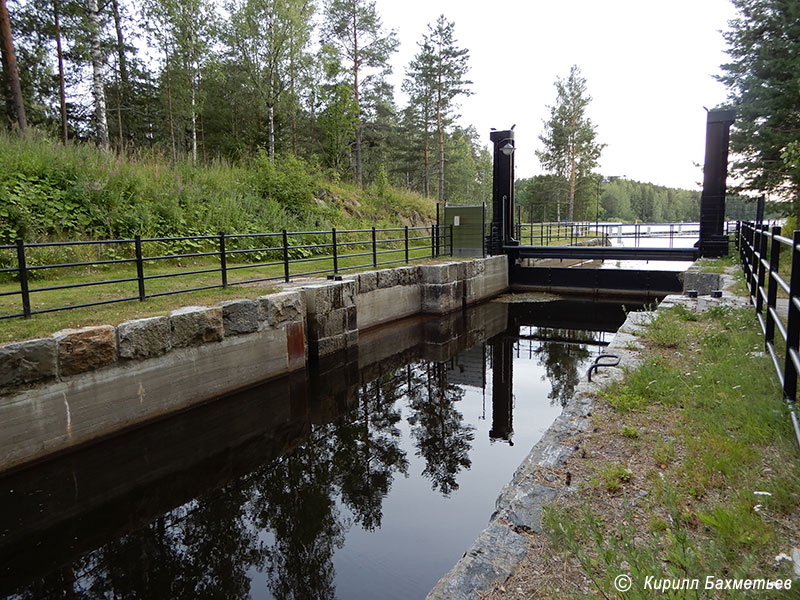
649, 66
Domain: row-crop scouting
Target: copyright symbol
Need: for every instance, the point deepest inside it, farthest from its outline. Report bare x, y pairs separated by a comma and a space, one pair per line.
622, 583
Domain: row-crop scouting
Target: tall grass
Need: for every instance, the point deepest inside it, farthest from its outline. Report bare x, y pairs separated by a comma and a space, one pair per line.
52, 192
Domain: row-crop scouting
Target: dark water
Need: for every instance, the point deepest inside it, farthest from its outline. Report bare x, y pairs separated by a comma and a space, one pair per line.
367, 477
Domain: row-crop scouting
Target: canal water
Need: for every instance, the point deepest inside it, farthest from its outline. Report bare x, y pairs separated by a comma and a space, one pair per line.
367, 476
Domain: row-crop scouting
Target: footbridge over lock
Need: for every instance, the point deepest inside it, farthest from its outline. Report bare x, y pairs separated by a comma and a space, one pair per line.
540, 266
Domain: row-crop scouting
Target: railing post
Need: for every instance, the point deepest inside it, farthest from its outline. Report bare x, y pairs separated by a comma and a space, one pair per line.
335, 254
285, 256
374, 249
139, 266
406, 242
762, 270
792, 323
23, 279
772, 285
433, 241
223, 259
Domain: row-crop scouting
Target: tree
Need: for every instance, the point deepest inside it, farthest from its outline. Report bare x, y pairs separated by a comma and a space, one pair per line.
450, 65
419, 85
10, 66
571, 149
355, 29
98, 59
267, 37
763, 80
183, 28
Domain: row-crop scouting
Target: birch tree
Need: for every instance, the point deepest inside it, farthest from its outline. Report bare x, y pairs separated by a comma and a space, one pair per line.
267, 37
96, 25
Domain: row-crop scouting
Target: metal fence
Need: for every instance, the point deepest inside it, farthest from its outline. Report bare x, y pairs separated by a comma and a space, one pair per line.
267, 256
761, 249
575, 233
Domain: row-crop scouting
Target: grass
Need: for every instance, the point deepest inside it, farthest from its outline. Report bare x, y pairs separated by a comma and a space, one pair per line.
671, 469
74, 192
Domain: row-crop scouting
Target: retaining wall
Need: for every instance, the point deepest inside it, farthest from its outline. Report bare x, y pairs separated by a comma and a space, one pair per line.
82, 384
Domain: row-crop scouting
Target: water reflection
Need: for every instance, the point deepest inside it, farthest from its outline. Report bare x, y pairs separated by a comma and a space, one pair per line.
282, 491
440, 435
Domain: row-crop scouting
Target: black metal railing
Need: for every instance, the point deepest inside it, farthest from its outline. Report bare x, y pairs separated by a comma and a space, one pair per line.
761, 249
217, 259
577, 233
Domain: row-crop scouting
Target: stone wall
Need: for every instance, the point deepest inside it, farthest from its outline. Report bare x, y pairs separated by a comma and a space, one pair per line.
81, 384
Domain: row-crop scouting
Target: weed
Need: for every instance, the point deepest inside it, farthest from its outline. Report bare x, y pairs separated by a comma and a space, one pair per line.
663, 452
614, 476
629, 432
666, 330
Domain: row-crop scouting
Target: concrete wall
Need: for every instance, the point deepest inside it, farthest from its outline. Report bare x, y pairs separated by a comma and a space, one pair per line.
391, 294
82, 384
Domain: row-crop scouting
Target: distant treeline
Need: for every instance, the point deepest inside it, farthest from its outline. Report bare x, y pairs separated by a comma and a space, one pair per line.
544, 198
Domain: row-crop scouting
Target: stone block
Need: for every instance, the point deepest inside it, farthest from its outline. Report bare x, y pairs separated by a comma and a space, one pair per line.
282, 308
195, 325
438, 274
322, 298
319, 298
333, 323
348, 292
144, 338
85, 349
351, 338
26, 362
328, 345
471, 268
408, 275
387, 278
240, 316
704, 283
351, 318
367, 281
441, 298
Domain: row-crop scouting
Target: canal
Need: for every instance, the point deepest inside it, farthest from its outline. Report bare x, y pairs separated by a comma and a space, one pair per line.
367, 476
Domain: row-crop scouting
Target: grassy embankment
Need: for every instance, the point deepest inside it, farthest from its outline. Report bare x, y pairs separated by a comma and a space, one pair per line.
51, 193
690, 470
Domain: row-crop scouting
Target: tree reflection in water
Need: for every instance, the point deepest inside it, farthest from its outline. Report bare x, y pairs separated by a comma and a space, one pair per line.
440, 434
287, 518
561, 360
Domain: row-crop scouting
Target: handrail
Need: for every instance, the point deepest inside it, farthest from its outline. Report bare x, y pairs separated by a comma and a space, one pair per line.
760, 251
410, 244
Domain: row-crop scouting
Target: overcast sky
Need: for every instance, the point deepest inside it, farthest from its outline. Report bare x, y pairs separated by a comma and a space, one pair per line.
649, 67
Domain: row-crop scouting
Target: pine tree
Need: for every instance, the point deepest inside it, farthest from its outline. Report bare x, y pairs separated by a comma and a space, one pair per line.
355, 29
763, 79
419, 85
450, 64
10, 67
571, 149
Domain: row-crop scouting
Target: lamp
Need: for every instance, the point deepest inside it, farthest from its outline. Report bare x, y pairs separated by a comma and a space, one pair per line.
507, 149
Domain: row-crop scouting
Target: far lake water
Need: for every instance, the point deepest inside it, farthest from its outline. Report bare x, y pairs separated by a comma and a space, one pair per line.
366, 477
